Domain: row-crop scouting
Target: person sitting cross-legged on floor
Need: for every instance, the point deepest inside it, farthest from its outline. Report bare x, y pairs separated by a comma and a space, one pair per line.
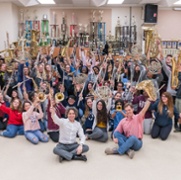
129, 132
68, 148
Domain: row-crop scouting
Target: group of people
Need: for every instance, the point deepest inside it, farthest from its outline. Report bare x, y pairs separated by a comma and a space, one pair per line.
30, 104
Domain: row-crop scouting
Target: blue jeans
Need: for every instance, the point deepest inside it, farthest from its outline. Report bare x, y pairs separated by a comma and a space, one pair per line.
36, 136
13, 130
126, 143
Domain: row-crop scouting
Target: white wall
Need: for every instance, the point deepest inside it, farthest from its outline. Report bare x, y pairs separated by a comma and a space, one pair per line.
9, 23
168, 21
15, 21
5, 19
126, 11
169, 26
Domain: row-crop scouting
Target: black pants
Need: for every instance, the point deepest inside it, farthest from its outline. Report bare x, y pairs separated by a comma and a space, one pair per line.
161, 131
54, 136
2, 124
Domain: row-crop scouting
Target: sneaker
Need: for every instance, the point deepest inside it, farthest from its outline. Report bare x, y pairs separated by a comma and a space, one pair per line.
177, 128
60, 159
130, 153
1, 133
86, 137
109, 151
80, 157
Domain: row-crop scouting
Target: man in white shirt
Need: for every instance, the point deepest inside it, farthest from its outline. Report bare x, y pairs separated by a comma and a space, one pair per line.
69, 128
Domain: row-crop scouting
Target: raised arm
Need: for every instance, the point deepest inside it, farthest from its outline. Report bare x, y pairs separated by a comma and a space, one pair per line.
147, 105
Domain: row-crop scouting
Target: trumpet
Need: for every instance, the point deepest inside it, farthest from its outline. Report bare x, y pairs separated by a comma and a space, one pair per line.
41, 96
59, 97
118, 108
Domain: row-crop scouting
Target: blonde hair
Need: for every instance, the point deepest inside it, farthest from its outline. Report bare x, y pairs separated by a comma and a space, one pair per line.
43, 73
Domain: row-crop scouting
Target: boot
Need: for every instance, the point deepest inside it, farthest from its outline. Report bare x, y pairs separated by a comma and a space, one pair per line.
80, 157
178, 128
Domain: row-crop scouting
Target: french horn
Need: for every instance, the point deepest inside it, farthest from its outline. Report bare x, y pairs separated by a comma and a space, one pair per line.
103, 92
155, 66
80, 78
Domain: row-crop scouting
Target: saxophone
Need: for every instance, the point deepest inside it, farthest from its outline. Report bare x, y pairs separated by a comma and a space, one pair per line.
174, 75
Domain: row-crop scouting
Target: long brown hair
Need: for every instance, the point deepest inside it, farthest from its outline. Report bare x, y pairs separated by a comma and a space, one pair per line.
169, 105
19, 107
102, 115
87, 109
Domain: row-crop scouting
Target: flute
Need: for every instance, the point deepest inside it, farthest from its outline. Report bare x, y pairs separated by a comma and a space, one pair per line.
81, 93
20, 83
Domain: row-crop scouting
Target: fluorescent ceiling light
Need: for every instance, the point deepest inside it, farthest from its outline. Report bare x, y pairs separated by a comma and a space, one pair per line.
46, 1
115, 1
178, 2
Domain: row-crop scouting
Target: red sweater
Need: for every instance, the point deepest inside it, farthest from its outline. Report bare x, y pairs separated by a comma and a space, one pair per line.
1, 112
15, 117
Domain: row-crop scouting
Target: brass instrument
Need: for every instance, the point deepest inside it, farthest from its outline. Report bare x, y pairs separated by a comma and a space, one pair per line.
9, 56
59, 97
15, 44
64, 49
174, 75
148, 87
118, 108
34, 43
151, 43
155, 66
2, 51
119, 68
41, 97
80, 78
103, 92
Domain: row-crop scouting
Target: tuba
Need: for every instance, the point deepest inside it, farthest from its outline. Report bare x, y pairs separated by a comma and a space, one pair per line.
151, 43
59, 97
148, 87
174, 75
34, 44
